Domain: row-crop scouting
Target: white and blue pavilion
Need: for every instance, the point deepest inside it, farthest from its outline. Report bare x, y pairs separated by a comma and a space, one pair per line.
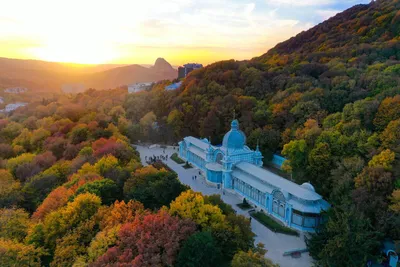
238, 168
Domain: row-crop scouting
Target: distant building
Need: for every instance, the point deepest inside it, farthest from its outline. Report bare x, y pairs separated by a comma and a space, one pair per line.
278, 161
238, 169
16, 90
12, 107
137, 87
184, 70
73, 88
173, 86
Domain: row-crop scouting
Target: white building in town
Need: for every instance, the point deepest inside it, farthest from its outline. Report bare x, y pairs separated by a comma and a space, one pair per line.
16, 90
13, 106
137, 87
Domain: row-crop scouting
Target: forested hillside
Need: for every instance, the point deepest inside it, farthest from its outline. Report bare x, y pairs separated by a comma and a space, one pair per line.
74, 193
329, 101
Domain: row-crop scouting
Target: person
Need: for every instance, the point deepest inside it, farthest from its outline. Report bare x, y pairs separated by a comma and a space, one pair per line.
250, 219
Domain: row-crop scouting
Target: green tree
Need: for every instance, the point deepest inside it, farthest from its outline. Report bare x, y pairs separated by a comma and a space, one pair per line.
154, 189
106, 189
10, 190
14, 163
175, 120
14, 224
347, 236
296, 151
320, 164
199, 250
79, 134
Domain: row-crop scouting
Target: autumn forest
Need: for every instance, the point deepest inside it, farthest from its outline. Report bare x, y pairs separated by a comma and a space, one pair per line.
73, 191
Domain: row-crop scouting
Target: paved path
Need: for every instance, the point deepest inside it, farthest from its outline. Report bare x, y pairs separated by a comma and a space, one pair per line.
275, 243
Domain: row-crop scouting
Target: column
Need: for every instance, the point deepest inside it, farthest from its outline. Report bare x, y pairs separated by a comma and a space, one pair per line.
288, 215
270, 201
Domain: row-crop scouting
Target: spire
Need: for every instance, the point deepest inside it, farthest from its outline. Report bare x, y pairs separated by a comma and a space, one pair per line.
234, 114
209, 149
257, 148
234, 125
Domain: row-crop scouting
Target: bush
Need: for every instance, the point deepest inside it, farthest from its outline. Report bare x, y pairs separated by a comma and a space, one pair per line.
187, 165
244, 205
177, 159
272, 224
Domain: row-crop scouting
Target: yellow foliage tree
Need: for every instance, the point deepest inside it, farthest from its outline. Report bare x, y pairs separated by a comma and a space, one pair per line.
395, 198
58, 223
119, 213
106, 163
191, 205
18, 254
384, 159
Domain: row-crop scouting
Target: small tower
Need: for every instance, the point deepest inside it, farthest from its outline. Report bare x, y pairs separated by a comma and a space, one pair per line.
257, 156
226, 171
209, 152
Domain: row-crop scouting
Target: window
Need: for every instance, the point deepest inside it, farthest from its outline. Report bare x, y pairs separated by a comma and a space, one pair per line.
219, 158
282, 210
304, 219
279, 204
275, 206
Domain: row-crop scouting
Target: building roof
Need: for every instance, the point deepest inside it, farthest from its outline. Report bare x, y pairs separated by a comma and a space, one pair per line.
265, 188
198, 152
173, 86
235, 138
278, 182
315, 207
214, 167
197, 142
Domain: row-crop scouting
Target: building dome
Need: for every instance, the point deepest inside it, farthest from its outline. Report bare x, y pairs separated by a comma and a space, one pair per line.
235, 138
308, 186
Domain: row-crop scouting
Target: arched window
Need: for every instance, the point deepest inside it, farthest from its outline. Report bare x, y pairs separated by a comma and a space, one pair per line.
279, 196
279, 203
219, 158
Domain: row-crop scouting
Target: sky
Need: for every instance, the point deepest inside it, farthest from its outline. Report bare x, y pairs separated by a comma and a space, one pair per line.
139, 31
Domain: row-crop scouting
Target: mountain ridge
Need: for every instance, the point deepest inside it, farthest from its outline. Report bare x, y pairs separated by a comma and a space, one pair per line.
39, 75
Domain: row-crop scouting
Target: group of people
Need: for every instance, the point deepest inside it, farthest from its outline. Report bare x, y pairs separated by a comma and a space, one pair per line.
155, 158
194, 177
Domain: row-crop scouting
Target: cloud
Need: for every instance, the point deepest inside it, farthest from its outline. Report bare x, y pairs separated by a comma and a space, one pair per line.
230, 25
301, 2
328, 13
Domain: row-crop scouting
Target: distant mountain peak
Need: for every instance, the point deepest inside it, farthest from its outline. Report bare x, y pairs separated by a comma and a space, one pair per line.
162, 65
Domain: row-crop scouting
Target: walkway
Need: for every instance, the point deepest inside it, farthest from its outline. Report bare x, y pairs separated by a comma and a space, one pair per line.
275, 243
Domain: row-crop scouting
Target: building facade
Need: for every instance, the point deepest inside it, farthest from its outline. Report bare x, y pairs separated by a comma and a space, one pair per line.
237, 168
138, 87
184, 70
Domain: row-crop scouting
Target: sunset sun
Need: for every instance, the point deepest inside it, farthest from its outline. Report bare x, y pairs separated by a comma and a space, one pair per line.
75, 51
